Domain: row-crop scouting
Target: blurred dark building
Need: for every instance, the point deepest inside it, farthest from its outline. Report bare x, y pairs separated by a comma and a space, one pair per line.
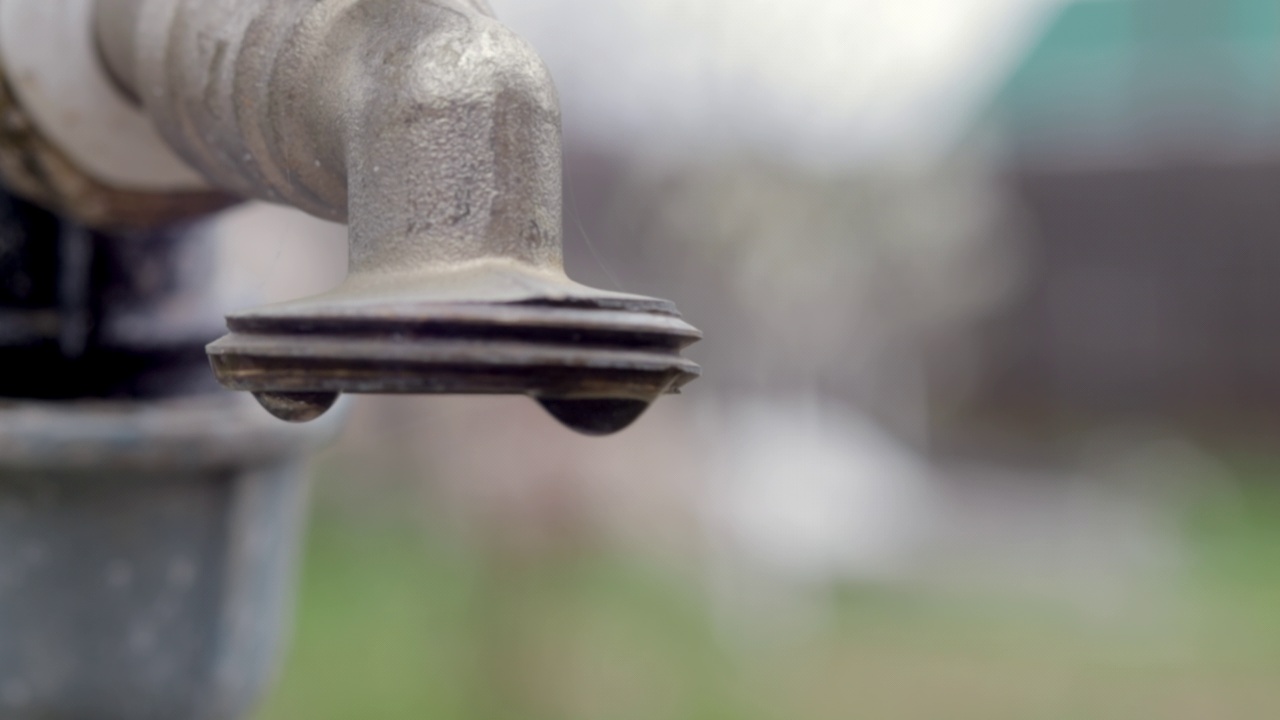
1143, 153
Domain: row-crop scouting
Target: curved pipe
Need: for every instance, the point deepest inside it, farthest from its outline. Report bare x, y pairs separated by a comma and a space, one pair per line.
434, 132
427, 126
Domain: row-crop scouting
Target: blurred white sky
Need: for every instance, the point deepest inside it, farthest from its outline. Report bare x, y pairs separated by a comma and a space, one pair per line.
825, 82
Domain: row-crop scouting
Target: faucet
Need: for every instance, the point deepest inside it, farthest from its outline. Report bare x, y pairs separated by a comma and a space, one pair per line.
427, 126
149, 522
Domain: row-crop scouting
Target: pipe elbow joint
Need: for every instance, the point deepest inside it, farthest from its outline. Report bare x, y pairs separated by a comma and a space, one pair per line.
452, 149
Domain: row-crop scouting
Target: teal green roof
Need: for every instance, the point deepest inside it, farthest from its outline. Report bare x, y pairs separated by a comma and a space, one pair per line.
1119, 65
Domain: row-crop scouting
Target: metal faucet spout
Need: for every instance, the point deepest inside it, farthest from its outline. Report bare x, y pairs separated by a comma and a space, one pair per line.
434, 132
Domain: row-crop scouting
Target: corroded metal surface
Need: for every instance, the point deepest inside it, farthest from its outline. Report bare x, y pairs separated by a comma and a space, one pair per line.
434, 132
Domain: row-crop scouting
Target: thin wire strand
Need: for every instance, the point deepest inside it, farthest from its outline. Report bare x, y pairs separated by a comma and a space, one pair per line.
591, 246
271, 267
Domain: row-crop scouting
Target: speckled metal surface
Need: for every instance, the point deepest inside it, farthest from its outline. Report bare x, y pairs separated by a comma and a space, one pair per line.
147, 563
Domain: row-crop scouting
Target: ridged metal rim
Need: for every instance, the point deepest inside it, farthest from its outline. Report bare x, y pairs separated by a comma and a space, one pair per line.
461, 348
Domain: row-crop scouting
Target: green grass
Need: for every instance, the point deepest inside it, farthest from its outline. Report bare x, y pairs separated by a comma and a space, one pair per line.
392, 624
395, 623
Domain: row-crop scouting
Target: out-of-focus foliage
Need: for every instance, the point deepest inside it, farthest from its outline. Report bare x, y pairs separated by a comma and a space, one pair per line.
398, 623
932, 470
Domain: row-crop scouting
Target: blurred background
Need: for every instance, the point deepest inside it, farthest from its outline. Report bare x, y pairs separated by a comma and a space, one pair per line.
992, 385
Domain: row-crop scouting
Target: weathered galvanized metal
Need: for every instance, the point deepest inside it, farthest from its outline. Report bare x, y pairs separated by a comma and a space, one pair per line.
148, 555
435, 133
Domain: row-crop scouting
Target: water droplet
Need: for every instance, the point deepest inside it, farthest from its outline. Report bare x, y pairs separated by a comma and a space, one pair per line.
296, 407
595, 417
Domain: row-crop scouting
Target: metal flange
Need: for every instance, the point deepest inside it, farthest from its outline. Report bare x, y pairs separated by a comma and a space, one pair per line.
596, 366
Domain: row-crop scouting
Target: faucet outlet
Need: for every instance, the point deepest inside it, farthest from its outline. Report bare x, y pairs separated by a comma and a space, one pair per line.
433, 131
